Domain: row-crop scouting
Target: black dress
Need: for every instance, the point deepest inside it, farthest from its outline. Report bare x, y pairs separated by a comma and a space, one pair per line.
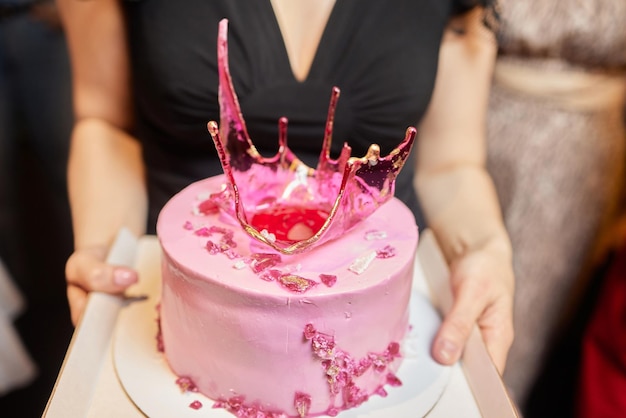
382, 54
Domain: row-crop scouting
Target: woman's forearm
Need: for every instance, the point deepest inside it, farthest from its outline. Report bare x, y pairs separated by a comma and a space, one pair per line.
461, 207
106, 183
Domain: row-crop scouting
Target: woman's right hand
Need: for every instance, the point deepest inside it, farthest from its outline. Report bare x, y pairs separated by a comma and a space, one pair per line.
87, 271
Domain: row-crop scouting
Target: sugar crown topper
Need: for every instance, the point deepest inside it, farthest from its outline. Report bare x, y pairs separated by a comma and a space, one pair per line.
279, 200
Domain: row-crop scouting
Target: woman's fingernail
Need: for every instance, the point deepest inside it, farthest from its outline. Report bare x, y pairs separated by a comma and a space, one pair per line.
123, 277
446, 350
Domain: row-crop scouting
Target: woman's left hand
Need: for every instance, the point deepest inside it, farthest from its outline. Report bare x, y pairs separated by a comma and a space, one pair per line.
482, 284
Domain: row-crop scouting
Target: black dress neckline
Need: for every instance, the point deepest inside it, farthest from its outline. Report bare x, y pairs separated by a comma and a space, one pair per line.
330, 34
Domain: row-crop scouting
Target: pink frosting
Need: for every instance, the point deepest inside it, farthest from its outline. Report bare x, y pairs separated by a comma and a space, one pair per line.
235, 334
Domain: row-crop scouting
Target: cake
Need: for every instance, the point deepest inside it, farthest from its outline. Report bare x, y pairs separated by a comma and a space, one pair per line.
285, 289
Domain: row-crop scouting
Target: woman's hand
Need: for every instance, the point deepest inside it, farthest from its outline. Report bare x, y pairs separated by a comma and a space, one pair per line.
86, 271
482, 285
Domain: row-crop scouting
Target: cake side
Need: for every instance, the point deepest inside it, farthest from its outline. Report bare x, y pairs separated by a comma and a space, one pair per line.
241, 335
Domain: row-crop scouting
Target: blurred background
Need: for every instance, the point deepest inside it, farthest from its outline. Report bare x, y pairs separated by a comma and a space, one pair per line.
35, 227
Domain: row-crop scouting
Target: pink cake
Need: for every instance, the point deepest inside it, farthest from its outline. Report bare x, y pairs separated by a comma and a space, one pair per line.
297, 335
285, 287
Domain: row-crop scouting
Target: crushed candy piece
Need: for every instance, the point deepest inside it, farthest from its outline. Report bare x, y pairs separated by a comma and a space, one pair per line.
361, 264
207, 207
159, 339
212, 248
202, 232
262, 261
364, 364
354, 396
218, 230
341, 369
188, 226
380, 391
328, 279
295, 283
159, 336
195, 405
379, 362
239, 408
386, 252
374, 235
240, 264
394, 349
309, 331
332, 412
302, 402
392, 380
323, 345
186, 384
225, 244
230, 254
271, 275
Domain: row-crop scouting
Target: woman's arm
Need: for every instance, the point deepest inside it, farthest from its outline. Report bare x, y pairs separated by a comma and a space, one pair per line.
105, 173
458, 197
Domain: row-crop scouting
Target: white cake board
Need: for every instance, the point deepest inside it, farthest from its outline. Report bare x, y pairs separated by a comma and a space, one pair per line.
150, 384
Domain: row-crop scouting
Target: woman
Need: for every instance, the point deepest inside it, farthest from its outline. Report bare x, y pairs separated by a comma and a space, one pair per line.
132, 148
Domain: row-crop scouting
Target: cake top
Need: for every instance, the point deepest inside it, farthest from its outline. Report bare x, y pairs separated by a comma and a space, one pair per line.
202, 241
280, 201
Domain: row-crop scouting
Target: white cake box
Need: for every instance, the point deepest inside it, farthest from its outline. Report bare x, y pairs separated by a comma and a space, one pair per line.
88, 384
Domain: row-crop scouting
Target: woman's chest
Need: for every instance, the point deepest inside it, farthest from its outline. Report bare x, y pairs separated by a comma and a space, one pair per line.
382, 56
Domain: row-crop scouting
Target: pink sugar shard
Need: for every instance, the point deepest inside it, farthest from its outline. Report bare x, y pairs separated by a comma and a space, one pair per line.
208, 207
341, 370
238, 407
195, 405
392, 380
230, 254
323, 345
212, 248
379, 363
302, 402
262, 261
186, 384
240, 264
202, 232
235, 403
361, 264
332, 412
188, 226
328, 279
218, 230
159, 336
374, 235
381, 392
394, 349
364, 364
309, 331
354, 396
386, 252
271, 275
160, 343
295, 283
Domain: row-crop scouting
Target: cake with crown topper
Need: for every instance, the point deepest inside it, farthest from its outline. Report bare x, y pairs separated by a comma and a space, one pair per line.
285, 287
